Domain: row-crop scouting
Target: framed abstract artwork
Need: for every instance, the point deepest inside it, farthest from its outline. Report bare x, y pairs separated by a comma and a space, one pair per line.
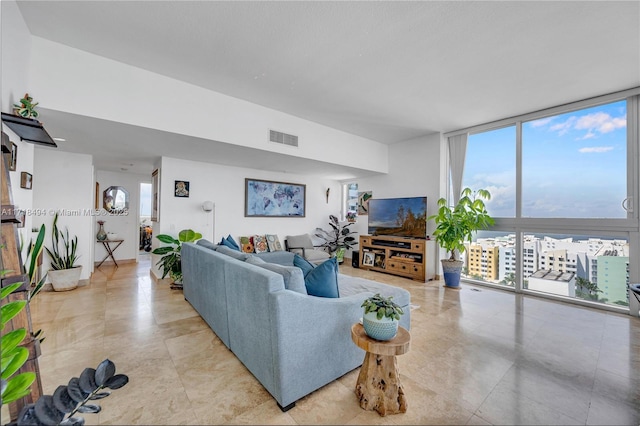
181, 188
265, 198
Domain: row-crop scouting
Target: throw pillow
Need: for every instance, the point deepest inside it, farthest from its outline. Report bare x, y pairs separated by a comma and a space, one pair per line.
246, 245
303, 264
259, 243
322, 281
227, 243
231, 241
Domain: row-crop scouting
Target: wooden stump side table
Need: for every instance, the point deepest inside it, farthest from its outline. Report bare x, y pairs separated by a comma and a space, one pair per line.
378, 387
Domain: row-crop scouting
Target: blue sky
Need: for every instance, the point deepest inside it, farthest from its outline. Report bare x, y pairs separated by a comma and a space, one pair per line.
574, 165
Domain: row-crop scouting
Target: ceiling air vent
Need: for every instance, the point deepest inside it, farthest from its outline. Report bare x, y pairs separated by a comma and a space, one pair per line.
283, 138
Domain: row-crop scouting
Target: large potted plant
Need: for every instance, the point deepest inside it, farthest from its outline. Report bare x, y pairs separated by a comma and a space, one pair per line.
338, 239
170, 260
456, 225
64, 274
381, 317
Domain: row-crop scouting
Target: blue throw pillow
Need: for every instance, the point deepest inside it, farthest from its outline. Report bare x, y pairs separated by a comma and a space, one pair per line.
231, 241
322, 281
227, 243
303, 264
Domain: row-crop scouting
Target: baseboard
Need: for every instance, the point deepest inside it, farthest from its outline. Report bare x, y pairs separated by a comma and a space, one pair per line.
110, 262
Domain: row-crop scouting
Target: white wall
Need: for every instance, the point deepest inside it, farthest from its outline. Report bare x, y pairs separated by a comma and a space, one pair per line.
414, 171
16, 52
63, 182
126, 226
225, 186
80, 78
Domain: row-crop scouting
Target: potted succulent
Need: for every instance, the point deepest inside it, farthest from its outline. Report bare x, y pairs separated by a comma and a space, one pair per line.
64, 274
381, 317
339, 239
456, 225
170, 260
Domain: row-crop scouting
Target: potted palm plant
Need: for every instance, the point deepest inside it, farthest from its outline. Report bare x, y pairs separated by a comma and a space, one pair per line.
64, 274
338, 239
456, 225
381, 317
170, 260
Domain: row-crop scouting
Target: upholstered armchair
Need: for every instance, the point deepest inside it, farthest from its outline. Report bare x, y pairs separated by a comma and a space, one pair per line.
303, 245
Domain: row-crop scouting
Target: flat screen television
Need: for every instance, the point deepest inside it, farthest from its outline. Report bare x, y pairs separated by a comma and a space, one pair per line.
399, 217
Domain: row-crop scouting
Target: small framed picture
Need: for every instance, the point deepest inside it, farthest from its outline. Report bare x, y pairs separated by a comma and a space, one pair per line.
368, 259
181, 188
26, 180
14, 157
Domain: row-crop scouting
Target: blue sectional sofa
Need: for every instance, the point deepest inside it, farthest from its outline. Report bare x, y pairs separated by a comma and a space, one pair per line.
293, 343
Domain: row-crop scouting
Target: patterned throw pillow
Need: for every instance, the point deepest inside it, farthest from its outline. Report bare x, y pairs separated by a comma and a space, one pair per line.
260, 243
246, 245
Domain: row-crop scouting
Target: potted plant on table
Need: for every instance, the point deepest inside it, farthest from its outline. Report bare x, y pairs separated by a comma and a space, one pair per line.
170, 260
456, 225
338, 239
64, 274
381, 317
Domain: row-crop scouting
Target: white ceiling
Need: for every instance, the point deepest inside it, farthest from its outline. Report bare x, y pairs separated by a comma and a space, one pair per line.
385, 70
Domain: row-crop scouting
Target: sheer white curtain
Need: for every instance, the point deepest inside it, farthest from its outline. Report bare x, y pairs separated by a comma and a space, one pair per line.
457, 152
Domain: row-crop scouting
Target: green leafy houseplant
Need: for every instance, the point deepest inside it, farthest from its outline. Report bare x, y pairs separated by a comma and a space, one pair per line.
65, 257
26, 107
340, 236
383, 307
456, 225
170, 260
14, 386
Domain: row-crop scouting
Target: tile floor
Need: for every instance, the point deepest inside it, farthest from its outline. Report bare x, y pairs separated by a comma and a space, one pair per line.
477, 357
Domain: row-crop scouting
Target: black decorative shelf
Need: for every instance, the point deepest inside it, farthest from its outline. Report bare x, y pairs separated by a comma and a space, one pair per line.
28, 129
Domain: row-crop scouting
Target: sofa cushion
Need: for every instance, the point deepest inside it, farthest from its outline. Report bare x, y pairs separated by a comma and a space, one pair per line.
292, 276
322, 281
232, 253
284, 258
303, 264
207, 244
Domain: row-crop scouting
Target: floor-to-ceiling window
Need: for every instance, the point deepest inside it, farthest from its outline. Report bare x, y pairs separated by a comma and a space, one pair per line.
562, 183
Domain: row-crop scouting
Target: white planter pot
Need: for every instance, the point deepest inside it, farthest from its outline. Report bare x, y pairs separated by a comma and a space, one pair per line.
65, 279
379, 329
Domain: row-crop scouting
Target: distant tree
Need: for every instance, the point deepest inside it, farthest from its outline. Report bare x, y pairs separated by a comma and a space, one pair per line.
587, 290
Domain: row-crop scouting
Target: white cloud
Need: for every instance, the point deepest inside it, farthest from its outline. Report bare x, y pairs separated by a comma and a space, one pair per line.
541, 122
595, 149
600, 122
565, 126
595, 124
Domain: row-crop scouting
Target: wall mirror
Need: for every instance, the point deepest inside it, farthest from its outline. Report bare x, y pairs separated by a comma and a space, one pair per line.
115, 199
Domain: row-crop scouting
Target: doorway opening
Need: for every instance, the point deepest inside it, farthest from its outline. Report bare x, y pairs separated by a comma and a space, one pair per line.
146, 230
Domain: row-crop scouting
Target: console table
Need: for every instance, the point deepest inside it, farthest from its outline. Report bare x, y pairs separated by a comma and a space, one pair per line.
110, 249
378, 387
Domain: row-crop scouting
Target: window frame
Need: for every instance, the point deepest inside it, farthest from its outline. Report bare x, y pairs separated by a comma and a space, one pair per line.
628, 228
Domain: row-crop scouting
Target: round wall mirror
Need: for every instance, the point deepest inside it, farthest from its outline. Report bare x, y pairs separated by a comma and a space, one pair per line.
115, 199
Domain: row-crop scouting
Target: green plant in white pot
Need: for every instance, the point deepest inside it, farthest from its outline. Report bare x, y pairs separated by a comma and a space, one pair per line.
381, 317
338, 239
64, 274
456, 225
170, 262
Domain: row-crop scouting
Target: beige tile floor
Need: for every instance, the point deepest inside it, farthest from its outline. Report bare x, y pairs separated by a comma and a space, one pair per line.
477, 357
